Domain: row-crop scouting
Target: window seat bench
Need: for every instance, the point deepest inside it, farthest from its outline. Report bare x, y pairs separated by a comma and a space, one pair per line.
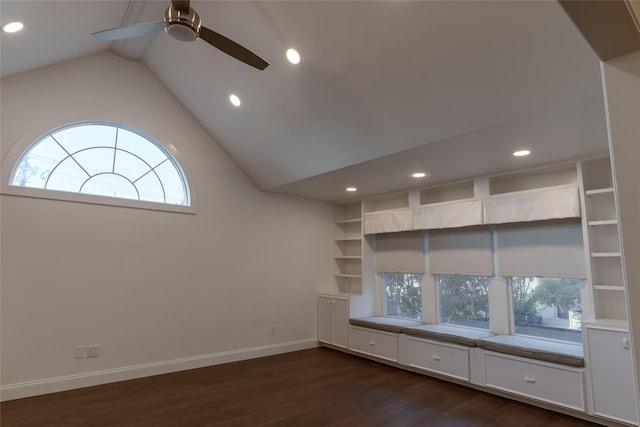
387, 324
531, 348
448, 334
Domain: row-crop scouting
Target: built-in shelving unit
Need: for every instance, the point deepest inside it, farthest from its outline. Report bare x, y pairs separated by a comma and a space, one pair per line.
392, 201
533, 179
347, 247
447, 193
602, 237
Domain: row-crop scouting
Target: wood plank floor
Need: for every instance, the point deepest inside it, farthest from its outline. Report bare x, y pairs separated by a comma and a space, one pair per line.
317, 387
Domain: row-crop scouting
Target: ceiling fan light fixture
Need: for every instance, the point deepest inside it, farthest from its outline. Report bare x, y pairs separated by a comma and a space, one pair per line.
182, 26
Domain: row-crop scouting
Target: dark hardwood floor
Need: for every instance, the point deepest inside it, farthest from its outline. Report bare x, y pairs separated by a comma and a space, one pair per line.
317, 387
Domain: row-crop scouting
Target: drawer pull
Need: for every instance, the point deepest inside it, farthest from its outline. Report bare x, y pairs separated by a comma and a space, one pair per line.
435, 357
530, 380
372, 343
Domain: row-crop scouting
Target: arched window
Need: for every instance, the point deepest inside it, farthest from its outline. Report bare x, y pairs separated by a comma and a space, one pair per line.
104, 160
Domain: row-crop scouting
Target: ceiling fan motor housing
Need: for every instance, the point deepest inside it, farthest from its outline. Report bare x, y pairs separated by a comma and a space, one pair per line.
183, 26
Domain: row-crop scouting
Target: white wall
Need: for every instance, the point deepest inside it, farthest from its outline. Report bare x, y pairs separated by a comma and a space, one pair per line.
159, 291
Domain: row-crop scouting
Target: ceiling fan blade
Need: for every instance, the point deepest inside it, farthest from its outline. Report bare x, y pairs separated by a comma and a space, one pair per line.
232, 48
181, 5
128, 32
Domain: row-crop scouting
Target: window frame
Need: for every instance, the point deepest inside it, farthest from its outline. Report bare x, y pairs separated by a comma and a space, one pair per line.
30, 139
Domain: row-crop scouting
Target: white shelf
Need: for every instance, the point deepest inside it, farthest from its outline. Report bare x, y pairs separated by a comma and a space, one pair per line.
347, 238
606, 255
599, 191
610, 324
347, 257
609, 287
603, 222
348, 221
353, 276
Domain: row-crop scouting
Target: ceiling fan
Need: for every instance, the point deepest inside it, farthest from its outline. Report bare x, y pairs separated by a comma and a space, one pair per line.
183, 23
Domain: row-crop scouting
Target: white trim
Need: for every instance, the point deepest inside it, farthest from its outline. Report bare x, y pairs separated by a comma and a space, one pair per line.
88, 379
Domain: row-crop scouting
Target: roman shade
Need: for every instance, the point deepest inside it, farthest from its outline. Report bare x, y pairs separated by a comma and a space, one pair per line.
448, 215
535, 205
400, 252
388, 221
547, 249
461, 251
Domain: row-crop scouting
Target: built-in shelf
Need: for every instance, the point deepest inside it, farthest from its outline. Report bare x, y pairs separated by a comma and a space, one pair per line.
533, 179
603, 222
347, 247
603, 242
606, 254
599, 191
609, 287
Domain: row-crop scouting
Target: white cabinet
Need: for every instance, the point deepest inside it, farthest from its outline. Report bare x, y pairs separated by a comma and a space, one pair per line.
333, 320
447, 359
610, 365
556, 384
374, 343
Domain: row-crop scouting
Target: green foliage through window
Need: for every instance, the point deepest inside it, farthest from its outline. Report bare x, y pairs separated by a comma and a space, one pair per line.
403, 295
464, 300
547, 307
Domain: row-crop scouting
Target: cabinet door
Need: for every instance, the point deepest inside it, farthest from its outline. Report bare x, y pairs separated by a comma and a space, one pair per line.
341, 322
325, 319
611, 375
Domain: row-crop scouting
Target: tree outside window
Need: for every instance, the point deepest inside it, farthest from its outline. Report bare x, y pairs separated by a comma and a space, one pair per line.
403, 295
464, 300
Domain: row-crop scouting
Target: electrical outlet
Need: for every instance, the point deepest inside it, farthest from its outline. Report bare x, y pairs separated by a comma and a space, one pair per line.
273, 329
80, 352
93, 350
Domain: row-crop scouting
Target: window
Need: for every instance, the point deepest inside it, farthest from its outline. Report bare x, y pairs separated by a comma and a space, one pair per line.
463, 300
547, 307
403, 295
103, 160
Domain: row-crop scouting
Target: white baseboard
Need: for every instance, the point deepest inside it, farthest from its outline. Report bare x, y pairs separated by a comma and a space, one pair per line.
69, 382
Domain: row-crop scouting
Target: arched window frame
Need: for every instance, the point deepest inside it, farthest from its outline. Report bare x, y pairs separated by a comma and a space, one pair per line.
31, 139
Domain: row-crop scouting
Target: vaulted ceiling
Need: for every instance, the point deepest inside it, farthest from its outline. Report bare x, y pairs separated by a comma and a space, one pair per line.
384, 88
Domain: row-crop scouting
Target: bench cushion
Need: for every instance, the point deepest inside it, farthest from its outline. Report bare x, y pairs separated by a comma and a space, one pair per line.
547, 351
389, 324
449, 334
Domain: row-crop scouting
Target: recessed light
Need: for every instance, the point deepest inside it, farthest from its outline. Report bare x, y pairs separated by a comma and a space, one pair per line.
521, 153
352, 189
293, 56
12, 27
419, 175
235, 100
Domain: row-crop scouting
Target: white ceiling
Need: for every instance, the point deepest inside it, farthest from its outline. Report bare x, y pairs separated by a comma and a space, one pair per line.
384, 88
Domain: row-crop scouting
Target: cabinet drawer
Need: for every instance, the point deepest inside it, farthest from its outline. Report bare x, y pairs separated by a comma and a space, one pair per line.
441, 358
375, 343
550, 383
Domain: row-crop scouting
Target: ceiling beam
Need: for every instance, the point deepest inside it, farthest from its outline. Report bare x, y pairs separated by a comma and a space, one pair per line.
609, 26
